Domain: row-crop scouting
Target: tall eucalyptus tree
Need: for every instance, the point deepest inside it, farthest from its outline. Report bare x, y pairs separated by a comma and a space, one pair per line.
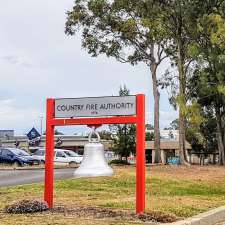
129, 31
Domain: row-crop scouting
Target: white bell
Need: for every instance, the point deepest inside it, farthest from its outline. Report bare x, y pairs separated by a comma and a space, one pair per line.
94, 163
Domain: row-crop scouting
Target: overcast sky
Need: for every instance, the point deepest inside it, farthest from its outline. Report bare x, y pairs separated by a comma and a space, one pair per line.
37, 60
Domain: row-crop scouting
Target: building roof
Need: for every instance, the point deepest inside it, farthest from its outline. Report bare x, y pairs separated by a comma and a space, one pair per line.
167, 145
67, 140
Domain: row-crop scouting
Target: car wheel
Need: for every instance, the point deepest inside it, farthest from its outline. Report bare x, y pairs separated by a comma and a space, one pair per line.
16, 164
73, 164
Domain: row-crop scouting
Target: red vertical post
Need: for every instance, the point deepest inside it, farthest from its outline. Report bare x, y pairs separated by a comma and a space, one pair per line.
49, 156
140, 155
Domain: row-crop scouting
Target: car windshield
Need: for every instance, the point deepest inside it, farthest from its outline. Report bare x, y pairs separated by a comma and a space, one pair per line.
71, 154
19, 152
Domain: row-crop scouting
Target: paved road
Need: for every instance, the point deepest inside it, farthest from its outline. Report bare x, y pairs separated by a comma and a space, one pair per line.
18, 177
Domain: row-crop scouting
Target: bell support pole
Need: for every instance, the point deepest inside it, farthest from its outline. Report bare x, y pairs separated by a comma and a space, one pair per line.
49, 160
138, 119
140, 155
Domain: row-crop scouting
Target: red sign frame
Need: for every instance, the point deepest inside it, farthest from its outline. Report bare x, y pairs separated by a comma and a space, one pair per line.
138, 119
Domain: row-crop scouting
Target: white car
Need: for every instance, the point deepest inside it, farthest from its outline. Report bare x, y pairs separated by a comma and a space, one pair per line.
61, 157
73, 155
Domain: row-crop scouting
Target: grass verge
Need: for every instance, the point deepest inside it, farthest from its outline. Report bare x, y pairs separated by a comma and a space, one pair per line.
168, 190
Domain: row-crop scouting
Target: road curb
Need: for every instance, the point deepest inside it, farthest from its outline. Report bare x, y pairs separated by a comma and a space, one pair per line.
208, 218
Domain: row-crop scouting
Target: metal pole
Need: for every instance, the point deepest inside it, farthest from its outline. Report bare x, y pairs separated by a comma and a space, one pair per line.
49, 156
41, 120
140, 155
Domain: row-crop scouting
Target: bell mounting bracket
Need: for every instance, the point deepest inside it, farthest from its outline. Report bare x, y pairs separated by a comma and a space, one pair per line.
95, 126
138, 119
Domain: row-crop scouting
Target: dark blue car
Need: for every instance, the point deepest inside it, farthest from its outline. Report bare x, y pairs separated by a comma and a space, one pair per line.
16, 157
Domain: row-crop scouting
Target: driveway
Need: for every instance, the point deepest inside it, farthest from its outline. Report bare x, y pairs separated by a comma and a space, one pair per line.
18, 177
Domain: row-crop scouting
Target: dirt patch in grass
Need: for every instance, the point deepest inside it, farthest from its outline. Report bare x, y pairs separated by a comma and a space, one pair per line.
116, 214
214, 174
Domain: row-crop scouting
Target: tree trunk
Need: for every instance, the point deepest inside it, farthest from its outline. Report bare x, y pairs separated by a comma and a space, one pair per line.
221, 137
125, 141
156, 95
182, 86
182, 104
182, 135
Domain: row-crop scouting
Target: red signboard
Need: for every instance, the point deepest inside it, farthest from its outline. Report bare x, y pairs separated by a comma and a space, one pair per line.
138, 119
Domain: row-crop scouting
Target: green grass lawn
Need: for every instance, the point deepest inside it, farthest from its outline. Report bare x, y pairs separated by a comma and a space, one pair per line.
183, 196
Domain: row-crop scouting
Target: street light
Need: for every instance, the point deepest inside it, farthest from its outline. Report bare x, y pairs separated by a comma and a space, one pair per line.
41, 120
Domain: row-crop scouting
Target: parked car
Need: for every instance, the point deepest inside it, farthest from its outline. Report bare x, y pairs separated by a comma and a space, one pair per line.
17, 157
73, 155
61, 156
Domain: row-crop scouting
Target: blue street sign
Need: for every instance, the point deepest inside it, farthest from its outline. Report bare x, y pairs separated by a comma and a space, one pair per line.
33, 134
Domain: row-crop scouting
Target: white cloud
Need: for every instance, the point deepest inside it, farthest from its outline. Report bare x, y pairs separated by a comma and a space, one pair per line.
165, 118
11, 114
19, 61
